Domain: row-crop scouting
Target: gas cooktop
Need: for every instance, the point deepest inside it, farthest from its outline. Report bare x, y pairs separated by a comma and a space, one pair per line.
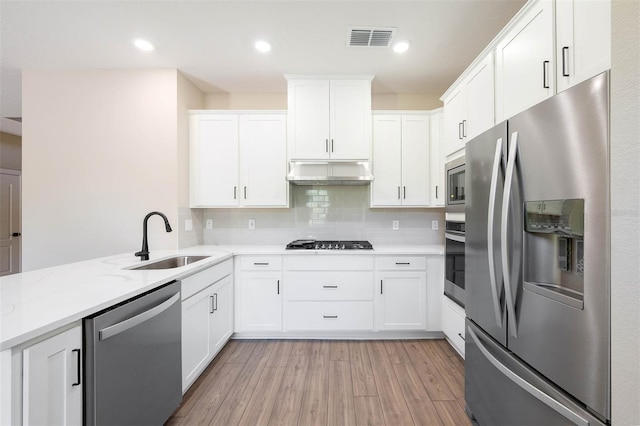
329, 245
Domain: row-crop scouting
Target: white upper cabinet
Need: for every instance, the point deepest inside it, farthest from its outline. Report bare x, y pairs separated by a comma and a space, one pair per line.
213, 140
263, 160
436, 159
238, 159
469, 106
583, 40
401, 160
525, 61
329, 118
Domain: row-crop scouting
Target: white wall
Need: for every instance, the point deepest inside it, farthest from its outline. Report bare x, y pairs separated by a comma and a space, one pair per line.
625, 212
279, 101
189, 97
99, 152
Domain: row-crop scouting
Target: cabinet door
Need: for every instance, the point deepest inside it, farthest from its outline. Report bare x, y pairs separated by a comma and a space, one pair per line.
214, 160
455, 113
197, 332
436, 159
480, 99
402, 300
222, 318
350, 118
453, 324
525, 62
308, 124
387, 161
583, 40
263, 143
415, 160
52, 388
260, 302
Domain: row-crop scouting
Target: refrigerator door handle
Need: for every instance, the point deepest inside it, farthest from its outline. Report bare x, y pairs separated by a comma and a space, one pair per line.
506, 197
526, 386
490, 232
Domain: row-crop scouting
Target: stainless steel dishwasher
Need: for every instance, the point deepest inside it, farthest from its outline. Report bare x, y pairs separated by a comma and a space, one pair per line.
133, 360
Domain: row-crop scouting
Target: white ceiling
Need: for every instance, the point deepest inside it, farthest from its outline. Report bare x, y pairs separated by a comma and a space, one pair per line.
211, 41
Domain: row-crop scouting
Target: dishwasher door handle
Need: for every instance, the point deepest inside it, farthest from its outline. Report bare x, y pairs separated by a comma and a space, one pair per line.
125, 325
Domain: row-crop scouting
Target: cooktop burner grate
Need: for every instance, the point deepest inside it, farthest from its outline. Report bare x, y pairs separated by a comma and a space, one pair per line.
329, 245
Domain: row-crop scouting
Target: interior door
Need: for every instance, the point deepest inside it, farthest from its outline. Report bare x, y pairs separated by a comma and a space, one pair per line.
9, 223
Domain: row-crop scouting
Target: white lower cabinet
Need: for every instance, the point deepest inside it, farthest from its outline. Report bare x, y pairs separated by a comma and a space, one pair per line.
329, 293
259, 293
52, 380
207, 318
453, 324
401, 293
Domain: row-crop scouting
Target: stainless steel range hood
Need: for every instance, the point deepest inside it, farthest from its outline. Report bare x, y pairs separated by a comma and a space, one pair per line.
329, 173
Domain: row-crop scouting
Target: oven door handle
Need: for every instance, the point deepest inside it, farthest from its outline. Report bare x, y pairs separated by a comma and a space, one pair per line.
125, 325
490, 232
454, 237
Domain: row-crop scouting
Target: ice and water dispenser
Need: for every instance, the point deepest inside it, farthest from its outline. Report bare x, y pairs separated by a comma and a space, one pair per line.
554, 249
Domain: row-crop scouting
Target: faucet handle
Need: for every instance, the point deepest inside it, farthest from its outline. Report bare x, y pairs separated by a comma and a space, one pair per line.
143, 255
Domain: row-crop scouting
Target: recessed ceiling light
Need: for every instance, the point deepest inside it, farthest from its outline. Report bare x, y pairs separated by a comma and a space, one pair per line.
262, 46
401, 46
143, 44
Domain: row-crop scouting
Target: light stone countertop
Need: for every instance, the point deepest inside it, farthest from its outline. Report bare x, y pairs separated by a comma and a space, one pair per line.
37, 302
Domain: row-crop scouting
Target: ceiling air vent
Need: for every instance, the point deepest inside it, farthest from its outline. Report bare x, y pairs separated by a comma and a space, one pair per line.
370, 36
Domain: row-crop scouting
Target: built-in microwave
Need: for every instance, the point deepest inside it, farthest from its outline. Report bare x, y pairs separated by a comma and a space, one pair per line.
455, 196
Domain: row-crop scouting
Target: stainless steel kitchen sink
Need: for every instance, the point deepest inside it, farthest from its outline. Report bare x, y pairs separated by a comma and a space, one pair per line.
170, 262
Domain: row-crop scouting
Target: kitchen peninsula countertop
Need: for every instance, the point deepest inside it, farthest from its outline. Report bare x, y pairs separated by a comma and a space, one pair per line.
36, 302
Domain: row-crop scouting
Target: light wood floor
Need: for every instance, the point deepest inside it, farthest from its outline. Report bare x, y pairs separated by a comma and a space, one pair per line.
284, 382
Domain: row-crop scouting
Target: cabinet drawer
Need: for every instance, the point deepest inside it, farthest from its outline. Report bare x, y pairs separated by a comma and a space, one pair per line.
322, 262
329, 285
261, 263
453, 324
329, 316
201, 280
401, 263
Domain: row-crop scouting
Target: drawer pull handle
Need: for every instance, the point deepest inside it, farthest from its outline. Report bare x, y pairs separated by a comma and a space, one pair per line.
403, 263
380, 286
212, 308
261, 263
461, 336
330, 316
329, 286
278, 286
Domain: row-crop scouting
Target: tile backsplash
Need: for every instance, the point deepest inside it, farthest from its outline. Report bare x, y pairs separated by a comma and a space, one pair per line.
325, 213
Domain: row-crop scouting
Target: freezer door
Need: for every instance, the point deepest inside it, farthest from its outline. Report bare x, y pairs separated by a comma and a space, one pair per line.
501, 390
486, 158
560, 287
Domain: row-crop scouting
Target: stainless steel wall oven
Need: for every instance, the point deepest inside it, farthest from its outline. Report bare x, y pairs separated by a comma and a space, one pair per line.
454, 236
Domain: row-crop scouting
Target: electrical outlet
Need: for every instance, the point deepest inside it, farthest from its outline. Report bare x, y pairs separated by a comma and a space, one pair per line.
188, 225
434, 225
395, 225
252, 224
209, 224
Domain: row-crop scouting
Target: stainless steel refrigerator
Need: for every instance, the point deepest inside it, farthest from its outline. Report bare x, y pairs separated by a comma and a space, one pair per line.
537, 264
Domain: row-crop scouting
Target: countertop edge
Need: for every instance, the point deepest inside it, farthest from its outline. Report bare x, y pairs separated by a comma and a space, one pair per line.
147, 280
